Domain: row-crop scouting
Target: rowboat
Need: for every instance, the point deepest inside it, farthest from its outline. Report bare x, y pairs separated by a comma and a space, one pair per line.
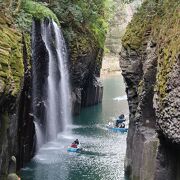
71, 149
117, 129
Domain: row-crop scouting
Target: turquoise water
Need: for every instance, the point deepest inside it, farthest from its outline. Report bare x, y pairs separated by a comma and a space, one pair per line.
103, 152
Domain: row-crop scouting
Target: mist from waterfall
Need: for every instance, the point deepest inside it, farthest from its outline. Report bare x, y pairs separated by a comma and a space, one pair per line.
57, 101
39, 135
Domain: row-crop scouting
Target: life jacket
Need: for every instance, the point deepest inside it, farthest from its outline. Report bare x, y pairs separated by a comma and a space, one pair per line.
74, 145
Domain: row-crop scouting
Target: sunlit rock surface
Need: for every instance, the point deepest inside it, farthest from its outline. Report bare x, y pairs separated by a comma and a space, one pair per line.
121, 16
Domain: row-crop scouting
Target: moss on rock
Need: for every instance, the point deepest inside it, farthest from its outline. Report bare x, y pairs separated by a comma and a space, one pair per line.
80, 45
152, 40
168, 38
136, 31
160, 22
38, 10
11, 63
29, 10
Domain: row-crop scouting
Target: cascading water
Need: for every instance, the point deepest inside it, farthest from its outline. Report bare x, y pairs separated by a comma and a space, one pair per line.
39, 135
64, 74
56, 94
52, 87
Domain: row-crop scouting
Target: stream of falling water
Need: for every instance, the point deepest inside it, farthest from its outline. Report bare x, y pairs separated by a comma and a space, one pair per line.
51, 99
58, 96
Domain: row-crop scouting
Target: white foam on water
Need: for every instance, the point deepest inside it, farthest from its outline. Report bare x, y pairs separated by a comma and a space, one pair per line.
120, 98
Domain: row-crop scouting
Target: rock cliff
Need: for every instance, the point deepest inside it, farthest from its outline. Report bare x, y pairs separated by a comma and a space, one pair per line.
150, 62
122, 14
11, 78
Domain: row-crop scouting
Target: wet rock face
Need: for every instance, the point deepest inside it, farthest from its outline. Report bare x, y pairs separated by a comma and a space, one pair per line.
8, 136
17, 130
10, 78
139, 72
39, 72
16, 126
92, 93
150, 66
87, 88
26, 129
167, 161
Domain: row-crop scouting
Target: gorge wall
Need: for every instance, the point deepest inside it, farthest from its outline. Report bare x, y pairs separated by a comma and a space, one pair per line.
17, 129
150, 63
122, 14
14, 96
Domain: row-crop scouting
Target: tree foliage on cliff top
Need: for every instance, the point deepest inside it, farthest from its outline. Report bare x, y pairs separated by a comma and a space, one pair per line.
152, 17
23, 11
84, 16
38, 10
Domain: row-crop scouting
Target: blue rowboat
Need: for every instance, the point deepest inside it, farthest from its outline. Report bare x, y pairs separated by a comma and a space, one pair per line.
71, 149
116, 129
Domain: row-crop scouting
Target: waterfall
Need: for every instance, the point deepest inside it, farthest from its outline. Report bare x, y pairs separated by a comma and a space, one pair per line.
39, 135
64, 74
56, 94
58, 91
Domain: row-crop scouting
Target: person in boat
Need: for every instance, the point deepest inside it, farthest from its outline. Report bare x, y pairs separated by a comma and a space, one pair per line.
76, 141
75, 144
121, 125
119, 122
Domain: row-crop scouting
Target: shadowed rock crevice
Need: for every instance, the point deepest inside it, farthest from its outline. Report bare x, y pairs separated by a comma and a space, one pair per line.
168, 159
26, 129
139, 72
86, 86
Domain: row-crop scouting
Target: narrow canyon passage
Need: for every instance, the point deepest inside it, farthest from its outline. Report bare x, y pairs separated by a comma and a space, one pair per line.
103, 151
53, 56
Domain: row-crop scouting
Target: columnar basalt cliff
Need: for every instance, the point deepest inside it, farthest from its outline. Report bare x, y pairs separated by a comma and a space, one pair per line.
12, 65
87, 88
26, 131
150, 62
16, 125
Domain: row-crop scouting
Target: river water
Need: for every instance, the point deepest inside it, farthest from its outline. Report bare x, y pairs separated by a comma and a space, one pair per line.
103, 152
